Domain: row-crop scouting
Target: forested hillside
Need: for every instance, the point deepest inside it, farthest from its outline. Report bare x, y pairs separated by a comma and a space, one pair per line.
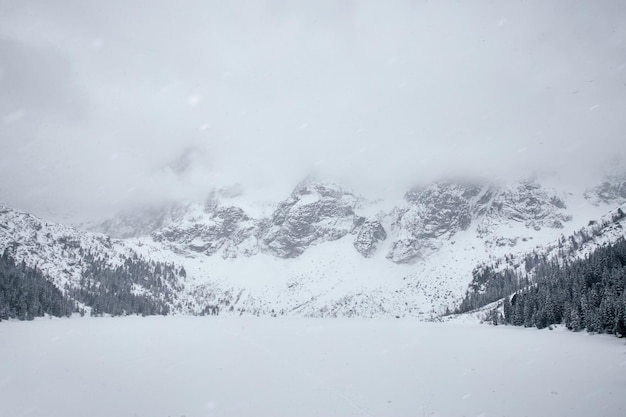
25, 293
136, 286
586, 293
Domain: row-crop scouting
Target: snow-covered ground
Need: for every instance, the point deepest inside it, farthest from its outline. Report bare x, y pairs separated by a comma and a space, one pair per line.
249, 366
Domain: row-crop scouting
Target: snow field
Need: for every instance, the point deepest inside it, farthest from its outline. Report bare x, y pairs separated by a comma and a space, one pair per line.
249, 366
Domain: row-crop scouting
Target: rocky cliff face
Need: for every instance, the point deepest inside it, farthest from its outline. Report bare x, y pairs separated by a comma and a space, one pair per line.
211, 229
531, 204
314, 213
369, 236
434, 214
431, 215
524, 206
317, 212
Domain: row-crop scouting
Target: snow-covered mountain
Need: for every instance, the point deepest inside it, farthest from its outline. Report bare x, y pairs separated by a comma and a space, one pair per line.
55, 249
322, 251
318, 212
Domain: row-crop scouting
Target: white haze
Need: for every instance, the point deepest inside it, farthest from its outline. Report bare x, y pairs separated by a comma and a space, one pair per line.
109, 104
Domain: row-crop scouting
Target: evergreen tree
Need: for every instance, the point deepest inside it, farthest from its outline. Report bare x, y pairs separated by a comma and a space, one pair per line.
25, 293
585, 294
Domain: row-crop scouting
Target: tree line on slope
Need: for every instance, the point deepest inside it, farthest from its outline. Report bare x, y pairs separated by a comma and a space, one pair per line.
25, 293
134, 286
586, 293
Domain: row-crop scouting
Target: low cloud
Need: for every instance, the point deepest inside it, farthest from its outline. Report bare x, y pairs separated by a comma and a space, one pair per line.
105, 105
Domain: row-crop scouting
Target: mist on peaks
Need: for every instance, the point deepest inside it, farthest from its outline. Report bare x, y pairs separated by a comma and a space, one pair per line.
105, 106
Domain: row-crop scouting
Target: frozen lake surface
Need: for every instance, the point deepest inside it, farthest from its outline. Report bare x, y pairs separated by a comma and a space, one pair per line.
248, 366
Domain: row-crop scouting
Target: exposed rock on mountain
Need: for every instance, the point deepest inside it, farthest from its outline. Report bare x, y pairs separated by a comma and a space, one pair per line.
209, 229
526, 203
432, 214
315, 212
436, 213
319, 212
370, 233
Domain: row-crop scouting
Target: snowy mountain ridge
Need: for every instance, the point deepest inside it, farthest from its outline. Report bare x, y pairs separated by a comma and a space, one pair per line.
321, 251
55, 249
318, 212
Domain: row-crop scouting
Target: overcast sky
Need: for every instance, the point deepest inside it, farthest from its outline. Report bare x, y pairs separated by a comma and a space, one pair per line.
106, 104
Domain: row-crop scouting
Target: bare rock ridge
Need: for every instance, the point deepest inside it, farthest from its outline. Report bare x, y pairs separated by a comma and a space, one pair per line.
208, 231
318, 212
314, 213
435, 214
430, 215
369, 236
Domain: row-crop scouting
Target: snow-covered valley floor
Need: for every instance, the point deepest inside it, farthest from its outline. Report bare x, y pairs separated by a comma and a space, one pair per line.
249, 366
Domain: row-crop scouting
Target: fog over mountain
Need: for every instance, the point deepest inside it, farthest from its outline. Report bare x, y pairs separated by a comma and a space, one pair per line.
106, 105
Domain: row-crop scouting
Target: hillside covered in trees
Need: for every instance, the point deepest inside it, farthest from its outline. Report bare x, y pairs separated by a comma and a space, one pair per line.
586, 293
25, 293
135, 286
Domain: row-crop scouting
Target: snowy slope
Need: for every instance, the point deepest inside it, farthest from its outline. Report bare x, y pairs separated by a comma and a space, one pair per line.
323, 251
55, 249
65, 254
329, 277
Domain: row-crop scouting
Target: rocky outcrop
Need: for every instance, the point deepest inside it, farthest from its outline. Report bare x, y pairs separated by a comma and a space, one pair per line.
369, 235
314, 213
526, 202
318, 212
210, 229
431, 215
434, 214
